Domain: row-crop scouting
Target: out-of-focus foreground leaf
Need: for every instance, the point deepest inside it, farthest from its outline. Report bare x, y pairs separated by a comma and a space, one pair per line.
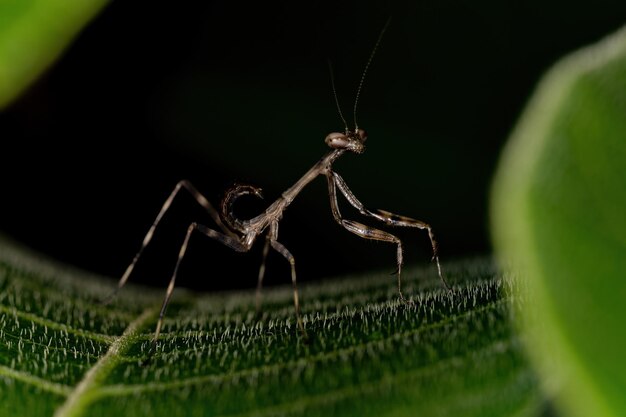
559, 214
367, 354
32, 35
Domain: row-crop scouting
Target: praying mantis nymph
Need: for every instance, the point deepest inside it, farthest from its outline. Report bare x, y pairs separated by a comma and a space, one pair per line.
240, 235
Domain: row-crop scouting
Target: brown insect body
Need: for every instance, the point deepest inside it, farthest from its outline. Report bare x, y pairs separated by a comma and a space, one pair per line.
240, 235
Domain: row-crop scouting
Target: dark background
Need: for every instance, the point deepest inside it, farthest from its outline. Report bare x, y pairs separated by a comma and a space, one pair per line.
219, 91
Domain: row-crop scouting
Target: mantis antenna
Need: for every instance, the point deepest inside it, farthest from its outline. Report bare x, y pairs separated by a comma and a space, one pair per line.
367, 65
332, 82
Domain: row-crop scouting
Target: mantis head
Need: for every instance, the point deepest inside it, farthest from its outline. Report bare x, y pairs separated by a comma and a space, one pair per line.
353, 141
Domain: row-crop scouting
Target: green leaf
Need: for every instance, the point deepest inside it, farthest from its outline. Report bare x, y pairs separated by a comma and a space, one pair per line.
559, 214
367, 354
33, 33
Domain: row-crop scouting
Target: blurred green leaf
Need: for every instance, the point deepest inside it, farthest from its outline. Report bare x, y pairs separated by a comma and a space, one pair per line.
449, 354
559, 214
33, 33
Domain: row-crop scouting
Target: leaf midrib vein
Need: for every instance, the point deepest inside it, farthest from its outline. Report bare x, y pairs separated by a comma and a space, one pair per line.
80, 398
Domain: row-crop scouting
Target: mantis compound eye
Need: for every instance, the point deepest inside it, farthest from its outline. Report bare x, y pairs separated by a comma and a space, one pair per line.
337, 140
362, 134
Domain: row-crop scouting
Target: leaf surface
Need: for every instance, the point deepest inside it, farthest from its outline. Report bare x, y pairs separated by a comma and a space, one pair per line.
366, 354
559, 214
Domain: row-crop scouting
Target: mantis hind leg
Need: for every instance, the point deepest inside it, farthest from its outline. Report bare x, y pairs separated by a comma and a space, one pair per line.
200, 199
280, 248
229, 241
266, 249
